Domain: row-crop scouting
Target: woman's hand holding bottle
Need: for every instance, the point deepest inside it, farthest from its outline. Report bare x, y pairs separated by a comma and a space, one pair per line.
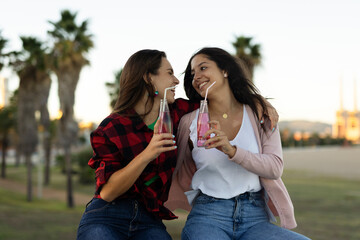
159, 143
219, 141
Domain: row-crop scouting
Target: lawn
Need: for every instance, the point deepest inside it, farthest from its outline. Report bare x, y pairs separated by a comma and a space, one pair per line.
40, 219
326, 208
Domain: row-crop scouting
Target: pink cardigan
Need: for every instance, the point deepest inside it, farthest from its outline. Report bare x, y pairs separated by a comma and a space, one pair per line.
268, 164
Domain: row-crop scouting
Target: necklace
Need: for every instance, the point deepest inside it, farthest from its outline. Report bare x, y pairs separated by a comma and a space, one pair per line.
225, 116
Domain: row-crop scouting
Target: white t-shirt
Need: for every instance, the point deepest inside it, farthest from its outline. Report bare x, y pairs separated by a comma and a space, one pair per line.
216, 175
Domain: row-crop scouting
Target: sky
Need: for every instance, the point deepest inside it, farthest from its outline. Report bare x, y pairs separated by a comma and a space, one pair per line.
308, 47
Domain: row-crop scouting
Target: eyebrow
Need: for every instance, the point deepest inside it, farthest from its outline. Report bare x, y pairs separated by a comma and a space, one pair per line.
192, 70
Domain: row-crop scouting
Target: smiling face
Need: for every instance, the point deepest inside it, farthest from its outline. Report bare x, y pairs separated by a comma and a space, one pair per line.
205, 72
163, 79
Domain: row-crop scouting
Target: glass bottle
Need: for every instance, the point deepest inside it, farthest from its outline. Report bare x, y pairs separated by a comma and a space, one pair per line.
165, 125
202, 123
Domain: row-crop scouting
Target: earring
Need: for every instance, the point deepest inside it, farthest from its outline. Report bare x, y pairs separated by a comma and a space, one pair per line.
156, 93
225, 74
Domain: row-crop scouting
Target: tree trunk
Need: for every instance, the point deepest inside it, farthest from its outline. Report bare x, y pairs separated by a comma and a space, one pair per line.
43, 90
17, 154
47, 149
27, 127
70, 200
29, 177
67, 82
3, 156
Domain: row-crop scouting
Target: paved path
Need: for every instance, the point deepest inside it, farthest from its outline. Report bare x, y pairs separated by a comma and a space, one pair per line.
334, 161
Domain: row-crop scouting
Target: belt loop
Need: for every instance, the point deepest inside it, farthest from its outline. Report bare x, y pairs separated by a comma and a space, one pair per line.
250, 194
136, 206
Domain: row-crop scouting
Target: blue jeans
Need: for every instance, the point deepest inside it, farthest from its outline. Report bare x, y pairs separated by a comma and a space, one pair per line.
121, 219
242, 217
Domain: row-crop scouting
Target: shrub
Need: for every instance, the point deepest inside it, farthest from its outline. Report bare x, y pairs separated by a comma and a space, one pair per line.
86, 174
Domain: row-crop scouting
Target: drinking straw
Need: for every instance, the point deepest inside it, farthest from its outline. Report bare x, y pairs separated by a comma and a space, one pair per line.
165, 96
207, 90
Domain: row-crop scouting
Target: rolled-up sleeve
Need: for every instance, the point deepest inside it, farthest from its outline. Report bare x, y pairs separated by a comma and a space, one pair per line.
106, 158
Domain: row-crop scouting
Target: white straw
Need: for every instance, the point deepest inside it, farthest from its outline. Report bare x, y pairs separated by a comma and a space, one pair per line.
208, 90
165, 95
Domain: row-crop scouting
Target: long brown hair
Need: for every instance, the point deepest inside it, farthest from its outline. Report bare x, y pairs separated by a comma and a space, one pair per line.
238, 76
133, 86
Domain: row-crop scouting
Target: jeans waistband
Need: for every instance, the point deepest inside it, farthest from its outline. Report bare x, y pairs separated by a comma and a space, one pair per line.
127, 201
248, 195
245, 195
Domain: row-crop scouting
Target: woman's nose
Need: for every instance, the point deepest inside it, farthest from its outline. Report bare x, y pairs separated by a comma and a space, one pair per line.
176, 81
196, 76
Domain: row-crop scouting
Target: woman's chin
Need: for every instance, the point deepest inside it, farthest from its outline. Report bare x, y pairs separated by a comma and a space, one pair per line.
201, 93
170, 100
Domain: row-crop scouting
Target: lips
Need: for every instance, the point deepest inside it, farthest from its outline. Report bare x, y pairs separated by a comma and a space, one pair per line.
172, 91
202, 85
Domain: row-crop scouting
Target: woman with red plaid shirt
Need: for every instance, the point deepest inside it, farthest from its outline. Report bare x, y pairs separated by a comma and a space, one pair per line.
134, 163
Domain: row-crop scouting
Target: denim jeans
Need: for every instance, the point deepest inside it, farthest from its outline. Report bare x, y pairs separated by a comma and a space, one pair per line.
242, 217
121, 219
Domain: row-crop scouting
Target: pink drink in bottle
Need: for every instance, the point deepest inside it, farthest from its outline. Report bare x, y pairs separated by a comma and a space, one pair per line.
202, 123
165, 125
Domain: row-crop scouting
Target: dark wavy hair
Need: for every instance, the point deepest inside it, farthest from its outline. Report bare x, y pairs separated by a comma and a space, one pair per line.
238, 76
133, 86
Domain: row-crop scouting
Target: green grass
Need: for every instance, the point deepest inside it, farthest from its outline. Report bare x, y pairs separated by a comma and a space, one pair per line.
40, 219
325, 207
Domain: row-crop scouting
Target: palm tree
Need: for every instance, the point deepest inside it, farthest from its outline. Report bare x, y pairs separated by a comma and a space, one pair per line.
248, 52
31, 66
113, 88
71, 43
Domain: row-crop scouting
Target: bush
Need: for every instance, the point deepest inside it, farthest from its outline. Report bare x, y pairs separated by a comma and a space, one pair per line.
86, 174
60, 162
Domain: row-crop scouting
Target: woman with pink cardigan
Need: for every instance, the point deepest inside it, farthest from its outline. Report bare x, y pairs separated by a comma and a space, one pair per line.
233, 184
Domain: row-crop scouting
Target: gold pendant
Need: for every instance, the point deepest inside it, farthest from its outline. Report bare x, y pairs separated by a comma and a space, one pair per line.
225, 116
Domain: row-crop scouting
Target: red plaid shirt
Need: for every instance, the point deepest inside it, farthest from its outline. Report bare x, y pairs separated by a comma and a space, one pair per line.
119, 139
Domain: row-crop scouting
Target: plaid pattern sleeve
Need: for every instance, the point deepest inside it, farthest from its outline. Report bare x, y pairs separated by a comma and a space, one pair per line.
106, 153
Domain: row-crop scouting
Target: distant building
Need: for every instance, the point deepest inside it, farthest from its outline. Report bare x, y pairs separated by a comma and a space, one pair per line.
347, 123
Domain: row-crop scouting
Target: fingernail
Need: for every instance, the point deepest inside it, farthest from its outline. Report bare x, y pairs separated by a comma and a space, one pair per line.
261, 121
175, 147
273, 129
173, 136
174, 142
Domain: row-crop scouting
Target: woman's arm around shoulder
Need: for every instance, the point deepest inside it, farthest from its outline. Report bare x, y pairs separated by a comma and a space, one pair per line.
268, 163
